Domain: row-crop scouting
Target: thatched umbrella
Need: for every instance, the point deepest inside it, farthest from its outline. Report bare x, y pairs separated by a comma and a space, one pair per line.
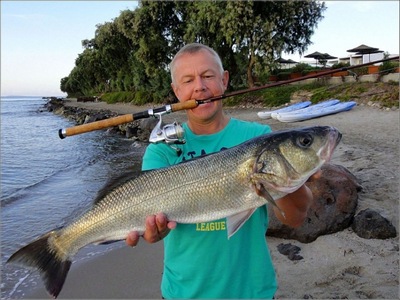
285, 61
320, 57
364, 49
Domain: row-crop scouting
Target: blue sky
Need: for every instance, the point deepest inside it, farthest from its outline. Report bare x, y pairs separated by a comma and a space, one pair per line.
40, 40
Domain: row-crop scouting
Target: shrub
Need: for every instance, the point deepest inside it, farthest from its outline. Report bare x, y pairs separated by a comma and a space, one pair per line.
388, 67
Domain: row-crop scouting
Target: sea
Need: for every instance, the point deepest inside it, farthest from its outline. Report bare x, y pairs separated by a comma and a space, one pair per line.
47, 181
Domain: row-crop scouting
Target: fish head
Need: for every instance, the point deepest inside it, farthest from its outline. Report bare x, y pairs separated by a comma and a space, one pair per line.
288, 158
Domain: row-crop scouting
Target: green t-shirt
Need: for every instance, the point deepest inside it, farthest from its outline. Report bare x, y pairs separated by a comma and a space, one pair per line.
199, 260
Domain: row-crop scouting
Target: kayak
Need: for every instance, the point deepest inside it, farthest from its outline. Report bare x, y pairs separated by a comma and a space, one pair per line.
267, 113
311, 112
317, 106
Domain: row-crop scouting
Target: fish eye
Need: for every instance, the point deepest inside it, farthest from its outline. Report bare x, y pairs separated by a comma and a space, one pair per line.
305, 140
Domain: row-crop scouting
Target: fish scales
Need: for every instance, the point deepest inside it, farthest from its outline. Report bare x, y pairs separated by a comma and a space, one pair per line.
231, 183
187, 198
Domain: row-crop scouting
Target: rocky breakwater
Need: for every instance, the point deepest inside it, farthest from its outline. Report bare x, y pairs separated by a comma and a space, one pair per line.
137, 130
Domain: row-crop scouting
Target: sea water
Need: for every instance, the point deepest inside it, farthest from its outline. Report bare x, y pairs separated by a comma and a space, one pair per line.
46, 181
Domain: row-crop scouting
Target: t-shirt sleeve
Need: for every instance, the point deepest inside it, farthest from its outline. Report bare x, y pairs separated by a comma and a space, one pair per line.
156, 157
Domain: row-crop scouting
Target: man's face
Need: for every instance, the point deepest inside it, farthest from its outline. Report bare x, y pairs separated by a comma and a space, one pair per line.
198, 76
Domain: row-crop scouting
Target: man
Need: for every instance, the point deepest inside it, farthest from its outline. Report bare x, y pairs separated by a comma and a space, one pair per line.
199, 260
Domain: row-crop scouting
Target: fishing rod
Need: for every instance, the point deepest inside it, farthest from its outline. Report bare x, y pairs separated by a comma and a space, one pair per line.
190, 104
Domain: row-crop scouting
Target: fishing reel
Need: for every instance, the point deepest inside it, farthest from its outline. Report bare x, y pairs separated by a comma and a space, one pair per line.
170, 133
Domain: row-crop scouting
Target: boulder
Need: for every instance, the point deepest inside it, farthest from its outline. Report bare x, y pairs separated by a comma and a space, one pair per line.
335, 202
369, 224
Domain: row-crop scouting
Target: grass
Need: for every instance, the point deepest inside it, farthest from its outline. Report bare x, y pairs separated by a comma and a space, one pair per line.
387, 94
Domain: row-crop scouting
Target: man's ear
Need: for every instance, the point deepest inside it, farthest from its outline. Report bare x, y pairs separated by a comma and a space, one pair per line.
175, 89
225, 79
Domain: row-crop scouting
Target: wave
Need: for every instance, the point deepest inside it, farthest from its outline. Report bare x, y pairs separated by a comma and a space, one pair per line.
19, 193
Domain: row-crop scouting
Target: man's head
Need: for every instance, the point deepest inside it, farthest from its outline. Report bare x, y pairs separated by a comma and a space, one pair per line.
191, 49
197, 73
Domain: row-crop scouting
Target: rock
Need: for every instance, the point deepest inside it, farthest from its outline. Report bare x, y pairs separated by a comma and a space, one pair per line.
54, 104
131, 131
335, 201
291, 251
369, 224
148, 124
82, 116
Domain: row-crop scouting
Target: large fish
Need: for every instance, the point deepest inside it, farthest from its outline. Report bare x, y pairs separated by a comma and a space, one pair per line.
231, 183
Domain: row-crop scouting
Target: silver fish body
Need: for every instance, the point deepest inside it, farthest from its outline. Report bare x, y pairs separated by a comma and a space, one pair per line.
231, 183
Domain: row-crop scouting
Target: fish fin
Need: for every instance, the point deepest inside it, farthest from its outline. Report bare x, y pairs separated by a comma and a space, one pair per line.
107, 242
236, 221
262, 192
115, 182
42, 256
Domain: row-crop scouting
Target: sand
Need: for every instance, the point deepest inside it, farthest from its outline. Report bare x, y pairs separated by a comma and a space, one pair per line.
336, 266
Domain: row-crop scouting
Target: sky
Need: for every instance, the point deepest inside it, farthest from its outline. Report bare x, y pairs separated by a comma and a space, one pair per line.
40, 40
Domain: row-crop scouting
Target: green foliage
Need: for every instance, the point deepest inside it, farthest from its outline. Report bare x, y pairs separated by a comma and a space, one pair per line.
301, 67
284, 75
116, 97
142, 97
279, 95
361, 71
340, 65
386, 94
131, 53
388, 67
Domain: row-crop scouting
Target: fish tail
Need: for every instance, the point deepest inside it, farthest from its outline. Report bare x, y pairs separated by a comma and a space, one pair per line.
47, 259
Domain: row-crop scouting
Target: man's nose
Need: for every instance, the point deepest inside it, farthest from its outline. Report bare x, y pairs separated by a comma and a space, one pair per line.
199, 84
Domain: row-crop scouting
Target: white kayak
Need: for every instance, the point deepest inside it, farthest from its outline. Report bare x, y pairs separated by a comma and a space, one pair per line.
267, 113
317, 106
310, 112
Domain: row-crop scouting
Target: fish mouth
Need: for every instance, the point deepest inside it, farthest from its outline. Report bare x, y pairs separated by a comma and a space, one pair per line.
334, 137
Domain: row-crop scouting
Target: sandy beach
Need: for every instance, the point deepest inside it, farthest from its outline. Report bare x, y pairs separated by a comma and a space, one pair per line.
336, 266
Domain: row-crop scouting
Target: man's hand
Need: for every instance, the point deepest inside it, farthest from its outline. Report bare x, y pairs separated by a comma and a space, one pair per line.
157, 228
295, 205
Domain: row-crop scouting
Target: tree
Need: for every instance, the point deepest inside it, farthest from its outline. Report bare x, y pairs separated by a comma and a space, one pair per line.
133, 51
251, 33
262, 30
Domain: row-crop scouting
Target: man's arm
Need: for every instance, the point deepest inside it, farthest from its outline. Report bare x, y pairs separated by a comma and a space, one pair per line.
295, 205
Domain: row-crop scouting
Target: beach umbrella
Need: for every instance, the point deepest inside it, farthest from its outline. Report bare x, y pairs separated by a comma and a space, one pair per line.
291, 61
320, 57
285, 61
316, 55
377, 51
364, 49
281, 60
328, 56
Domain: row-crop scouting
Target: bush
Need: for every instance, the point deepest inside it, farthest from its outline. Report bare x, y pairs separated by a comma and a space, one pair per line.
142, 97
340, 65
361, 71
388, 67
284, 75
300, 68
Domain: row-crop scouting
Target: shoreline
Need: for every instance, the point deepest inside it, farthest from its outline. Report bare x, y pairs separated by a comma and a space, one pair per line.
339, 265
